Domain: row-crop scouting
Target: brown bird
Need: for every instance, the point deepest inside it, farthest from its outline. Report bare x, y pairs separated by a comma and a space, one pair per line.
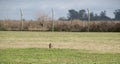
50, 45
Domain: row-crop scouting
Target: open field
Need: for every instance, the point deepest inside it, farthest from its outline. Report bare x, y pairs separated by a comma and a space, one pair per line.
56, 56
68, 47
96, 42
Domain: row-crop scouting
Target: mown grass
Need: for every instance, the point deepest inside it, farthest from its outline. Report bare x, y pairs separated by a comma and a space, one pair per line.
94, 41
14, 36
77, 47
55, 56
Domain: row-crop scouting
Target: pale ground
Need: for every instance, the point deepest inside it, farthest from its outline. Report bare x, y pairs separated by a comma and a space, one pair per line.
97, 42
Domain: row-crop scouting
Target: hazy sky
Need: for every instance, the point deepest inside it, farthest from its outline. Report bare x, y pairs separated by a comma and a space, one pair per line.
10, 8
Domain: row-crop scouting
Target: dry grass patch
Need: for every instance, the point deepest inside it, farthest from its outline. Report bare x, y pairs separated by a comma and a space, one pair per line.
99, 42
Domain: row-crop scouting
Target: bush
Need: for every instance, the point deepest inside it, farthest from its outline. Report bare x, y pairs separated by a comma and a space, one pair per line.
73, 26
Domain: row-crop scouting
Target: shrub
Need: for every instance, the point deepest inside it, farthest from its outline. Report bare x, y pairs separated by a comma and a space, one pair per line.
75, 26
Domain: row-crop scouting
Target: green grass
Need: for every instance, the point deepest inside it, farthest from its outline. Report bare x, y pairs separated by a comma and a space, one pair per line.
57, 36
55, 56
68, 47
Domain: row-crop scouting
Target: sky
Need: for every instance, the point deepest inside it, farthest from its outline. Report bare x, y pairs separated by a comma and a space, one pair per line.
10, 9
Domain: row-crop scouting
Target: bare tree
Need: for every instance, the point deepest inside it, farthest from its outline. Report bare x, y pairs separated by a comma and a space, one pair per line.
42, 17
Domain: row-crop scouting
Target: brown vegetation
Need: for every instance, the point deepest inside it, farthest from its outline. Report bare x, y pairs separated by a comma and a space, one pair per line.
77, 26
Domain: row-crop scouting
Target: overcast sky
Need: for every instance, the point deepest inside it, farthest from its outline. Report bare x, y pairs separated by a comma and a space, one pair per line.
10, 8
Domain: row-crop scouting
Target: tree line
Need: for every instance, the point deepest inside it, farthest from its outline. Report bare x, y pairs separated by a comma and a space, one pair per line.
83, 15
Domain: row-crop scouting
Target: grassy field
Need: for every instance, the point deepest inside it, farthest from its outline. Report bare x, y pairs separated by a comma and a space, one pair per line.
100, 42
68, 48
56, 56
